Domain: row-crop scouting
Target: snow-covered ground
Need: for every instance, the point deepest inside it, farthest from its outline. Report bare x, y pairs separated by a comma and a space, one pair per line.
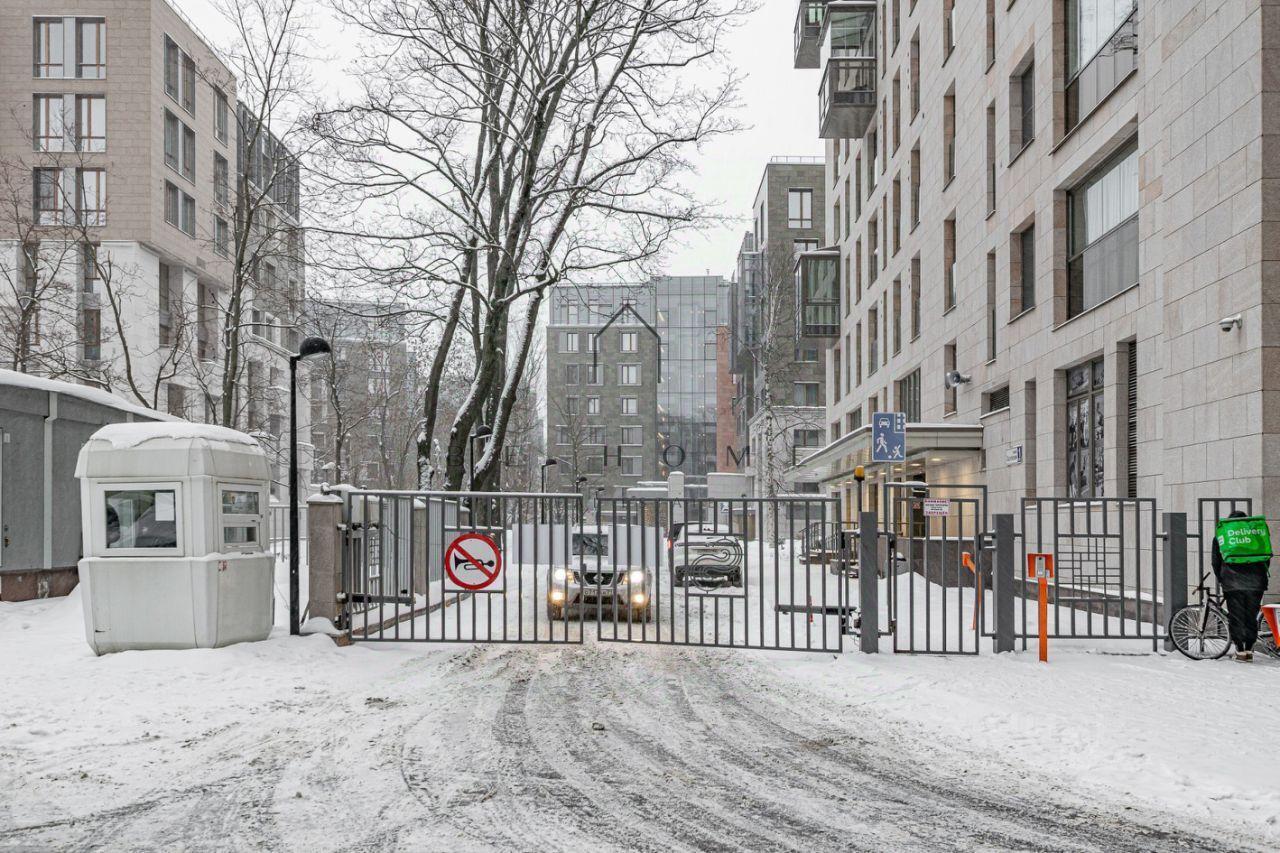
297, 744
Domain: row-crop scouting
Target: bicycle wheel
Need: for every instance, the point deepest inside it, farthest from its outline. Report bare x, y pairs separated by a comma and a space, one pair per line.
1266, 643
1200, 632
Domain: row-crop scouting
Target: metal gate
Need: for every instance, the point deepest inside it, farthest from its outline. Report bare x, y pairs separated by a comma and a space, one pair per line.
764, 573
750, 573
396, 583
934, 578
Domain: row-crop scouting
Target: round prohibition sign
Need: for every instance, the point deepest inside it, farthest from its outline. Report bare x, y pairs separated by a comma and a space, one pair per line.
473, 552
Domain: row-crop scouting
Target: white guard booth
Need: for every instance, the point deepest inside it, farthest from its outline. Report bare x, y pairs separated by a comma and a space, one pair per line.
174, 525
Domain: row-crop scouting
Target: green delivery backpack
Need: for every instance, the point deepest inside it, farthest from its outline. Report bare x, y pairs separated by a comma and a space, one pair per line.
1243, 540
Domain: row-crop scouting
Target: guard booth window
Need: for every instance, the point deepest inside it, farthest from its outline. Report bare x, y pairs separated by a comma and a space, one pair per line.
1085, 430
241, 519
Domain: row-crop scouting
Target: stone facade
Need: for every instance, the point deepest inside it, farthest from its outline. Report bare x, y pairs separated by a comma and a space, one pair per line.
1193, 96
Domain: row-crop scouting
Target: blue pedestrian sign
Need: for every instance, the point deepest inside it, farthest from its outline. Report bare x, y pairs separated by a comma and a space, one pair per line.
888, 436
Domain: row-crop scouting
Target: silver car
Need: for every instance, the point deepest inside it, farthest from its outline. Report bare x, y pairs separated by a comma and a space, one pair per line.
705, 557
594, 585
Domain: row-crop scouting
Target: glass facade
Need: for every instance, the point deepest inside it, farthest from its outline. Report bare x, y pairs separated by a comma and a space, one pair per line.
689, 310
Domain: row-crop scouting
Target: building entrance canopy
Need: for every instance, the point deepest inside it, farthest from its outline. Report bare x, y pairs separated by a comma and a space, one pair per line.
841, 456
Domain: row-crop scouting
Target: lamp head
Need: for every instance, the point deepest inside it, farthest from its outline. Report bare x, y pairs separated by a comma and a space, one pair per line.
313, 346
482, 430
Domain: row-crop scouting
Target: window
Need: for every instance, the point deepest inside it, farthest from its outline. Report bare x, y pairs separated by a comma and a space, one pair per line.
141, 518
991, 306
91, 123
996, 400
92, 196
799, 247
897, 316
1102, 233
221, 180
873, 341
48, 45
991, 32
221, 110
1102, 50
628, 374
799, 208
1022, 113
915, 186
949, 137
1023, 285
806, 394
915, 297
629, 406
563, 436
179, 209
176, 400
179, 147
632, 466
91, 48
593, 405
89, 267
595, 435
221, 237
628, 342
569, 342
991, 158
571, 374
1131, 419
948, 27
48, 196
571, 405
92, 334
949, 271
915, 75
909, 396
48, 124
806, 355
949, 364
172, 62
632, 435
167, 298
188, 83
241, 519
1085, 431
179, 75
593, 374
853, 420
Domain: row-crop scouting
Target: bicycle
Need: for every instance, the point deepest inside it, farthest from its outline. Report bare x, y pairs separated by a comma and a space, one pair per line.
1200, 631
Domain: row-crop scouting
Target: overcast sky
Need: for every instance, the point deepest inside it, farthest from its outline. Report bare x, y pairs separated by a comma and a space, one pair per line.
780, 109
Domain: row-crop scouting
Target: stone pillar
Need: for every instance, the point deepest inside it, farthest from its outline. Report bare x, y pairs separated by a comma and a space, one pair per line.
869, 582
324, 556
1004, 575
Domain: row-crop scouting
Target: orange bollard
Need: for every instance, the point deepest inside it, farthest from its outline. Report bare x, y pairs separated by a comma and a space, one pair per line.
1272, 613
1040, 568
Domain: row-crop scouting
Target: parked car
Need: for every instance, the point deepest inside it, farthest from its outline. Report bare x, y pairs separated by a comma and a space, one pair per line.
595, 584
705, 557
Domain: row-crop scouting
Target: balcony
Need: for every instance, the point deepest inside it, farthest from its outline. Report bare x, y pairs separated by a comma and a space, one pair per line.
847, 98
818, 294
808, 45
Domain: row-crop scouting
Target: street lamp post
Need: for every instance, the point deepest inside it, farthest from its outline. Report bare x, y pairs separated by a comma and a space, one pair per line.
546, 463
310, 347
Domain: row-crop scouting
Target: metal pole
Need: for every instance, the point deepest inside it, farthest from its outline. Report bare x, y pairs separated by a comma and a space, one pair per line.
869, 583
1175, 572
294, 616
1004, 573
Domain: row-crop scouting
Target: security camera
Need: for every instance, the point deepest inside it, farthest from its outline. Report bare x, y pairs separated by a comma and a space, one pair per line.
1226, 324
954, 378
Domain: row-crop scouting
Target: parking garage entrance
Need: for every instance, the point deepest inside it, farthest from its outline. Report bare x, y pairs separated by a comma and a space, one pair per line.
482, 567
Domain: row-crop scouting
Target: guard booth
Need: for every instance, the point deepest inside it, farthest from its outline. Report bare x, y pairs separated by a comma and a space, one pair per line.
174, 521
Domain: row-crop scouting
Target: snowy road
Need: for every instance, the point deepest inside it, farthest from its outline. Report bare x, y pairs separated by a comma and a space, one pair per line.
299, 745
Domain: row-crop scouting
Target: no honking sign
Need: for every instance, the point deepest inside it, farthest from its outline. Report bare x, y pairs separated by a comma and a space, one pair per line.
473, 563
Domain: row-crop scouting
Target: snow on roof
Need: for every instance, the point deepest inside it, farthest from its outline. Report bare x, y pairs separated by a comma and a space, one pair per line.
126, 436
14, 379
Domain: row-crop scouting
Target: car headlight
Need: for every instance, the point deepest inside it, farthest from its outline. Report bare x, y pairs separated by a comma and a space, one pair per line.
560, 575
636, 576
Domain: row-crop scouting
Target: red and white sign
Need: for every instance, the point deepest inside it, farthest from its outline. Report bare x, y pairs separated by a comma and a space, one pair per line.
473, 563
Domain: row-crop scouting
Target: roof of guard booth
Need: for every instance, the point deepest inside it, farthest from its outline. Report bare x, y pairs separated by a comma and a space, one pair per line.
162, 451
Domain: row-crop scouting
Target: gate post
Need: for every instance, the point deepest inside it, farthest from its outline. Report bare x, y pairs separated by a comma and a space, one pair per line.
1004, 575
1175, 572
324, 556
869, 582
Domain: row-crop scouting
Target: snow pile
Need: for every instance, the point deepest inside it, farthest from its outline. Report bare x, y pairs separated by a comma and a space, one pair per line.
131, 435
14, 379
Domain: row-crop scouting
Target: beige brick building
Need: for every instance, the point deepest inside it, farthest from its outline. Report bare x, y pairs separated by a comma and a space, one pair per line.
1059, 201
121, 144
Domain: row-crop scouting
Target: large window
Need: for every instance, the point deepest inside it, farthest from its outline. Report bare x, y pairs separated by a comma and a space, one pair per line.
47, 47
179, 209
91, 48
221, 111
92, 196
568, 342
180, 75
629, 406
1024, 290
806, 394
48, 123
628, 374
141, 518
221, 237
909, 396
1102, 51
800, 208
92, 334
48, 197
628, 342
221, 179
1102, 236
91, 123
1084, 430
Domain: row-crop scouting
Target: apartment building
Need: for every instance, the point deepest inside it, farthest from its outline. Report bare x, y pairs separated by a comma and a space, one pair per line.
124, 156
778, 374
601, 408
1052, 246
365, 396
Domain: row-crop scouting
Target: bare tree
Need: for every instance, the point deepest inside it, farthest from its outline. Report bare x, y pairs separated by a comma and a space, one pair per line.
513, 145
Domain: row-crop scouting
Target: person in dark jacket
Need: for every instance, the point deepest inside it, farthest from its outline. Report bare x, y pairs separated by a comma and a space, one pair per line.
1243, 585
